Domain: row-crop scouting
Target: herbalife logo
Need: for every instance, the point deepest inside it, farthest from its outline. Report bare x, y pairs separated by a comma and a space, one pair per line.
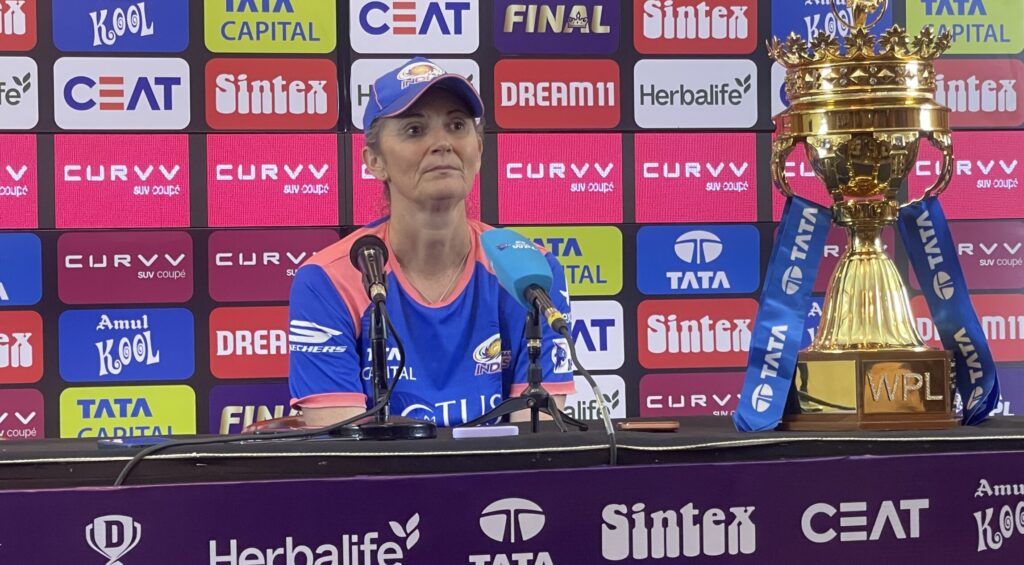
726, 93
11, 92
688, 93
589, 410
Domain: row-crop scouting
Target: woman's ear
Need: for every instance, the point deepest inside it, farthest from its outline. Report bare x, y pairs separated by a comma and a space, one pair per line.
375, 164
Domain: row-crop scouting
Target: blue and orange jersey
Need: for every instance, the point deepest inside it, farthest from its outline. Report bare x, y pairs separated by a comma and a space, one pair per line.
463, 355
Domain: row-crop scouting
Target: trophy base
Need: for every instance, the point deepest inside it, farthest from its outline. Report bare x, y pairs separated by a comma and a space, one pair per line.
871, 390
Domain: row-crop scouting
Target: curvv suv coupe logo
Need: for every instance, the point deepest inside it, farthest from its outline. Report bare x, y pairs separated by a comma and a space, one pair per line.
148, 26
557, 27
296, 94
19, 196
415, 26
19, 93
708, 26
258, 265
17, 25
698, 259
695, 93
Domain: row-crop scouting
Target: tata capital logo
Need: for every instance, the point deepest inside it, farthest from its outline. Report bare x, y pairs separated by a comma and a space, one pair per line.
113, 536
121, 25
977, 26
685, 26
695, 93
422, 26
547, 93
558, 28
124, 93
17, 25
512, 521
270, 26
127, 411
271, 94
19, 93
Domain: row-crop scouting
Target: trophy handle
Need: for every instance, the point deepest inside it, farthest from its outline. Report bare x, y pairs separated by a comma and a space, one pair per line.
781, 148
943, 141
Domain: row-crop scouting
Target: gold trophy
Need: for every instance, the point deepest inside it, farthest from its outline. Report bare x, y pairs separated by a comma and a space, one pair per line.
861, 115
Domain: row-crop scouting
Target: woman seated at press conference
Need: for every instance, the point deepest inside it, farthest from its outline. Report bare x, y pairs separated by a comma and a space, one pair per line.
462, 333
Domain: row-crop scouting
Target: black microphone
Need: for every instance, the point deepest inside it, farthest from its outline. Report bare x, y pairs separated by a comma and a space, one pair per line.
542, 300
369, 255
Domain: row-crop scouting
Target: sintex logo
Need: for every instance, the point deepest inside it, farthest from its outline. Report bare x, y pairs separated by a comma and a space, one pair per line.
556, 27
297, 94
695, 93
21, 347
270, 26
682, 334
19, 198
17, 25
19, 93
991, 254
556, 93
707, 26
247, 343
981, 92
590, 255
414, 26
987, 27
127, 411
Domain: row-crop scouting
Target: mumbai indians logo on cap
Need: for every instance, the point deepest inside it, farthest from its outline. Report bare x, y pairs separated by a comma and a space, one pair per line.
418, 72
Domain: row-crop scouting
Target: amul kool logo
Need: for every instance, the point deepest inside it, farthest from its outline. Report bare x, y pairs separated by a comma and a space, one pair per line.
127, 181
138, 26
270, 26
414, 26
991, 254
249, 342
695, 333
127, 345
123, 93
988, 175
547, 178
272, 180
127, 411
19, 93
556, 93
21, 278
271, 94
810, 17
590, 255
19, 196
124, 267
258, 265
21, 347
696, 177
366, 71
981, 92
21, 414
550, 26
708, 26
233, 407
1001, 317
690, 394
597, 331
17, 25
695, 93
978, 26
698, 259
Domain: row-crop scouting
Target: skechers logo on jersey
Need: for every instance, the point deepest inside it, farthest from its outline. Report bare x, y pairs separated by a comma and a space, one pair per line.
308, 337
543, 18
399, 17
488, 356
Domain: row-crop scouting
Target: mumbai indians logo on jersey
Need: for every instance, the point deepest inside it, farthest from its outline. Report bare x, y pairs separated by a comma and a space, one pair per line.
489, 356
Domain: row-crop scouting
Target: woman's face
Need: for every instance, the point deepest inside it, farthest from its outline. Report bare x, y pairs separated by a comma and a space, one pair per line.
430, 153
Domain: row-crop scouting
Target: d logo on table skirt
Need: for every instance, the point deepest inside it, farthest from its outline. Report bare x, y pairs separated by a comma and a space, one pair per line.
113, 536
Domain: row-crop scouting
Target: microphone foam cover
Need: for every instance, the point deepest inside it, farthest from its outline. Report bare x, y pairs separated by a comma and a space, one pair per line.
516, 261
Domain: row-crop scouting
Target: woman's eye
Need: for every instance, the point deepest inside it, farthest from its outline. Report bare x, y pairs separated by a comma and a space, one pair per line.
413, 130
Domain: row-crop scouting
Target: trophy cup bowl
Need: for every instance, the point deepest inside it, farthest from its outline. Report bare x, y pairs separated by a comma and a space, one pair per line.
861, 116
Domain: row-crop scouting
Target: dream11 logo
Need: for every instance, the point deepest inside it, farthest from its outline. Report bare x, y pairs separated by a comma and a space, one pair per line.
293, 94
124, 181
19, 195
248, 343
368, 200
1001, 317
557, 93
988, 175
272, 180
121, 26
710, 26
546, 178
17, 25
681, 334
557, 28
414, 26
696, 178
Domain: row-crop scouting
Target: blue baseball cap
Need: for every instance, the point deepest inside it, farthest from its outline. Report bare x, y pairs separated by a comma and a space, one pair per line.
396, 90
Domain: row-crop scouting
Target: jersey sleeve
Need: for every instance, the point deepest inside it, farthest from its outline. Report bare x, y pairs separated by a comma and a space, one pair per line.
556, 363
324, 367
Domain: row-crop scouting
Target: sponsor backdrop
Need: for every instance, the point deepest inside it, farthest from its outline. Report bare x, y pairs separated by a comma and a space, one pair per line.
165, 167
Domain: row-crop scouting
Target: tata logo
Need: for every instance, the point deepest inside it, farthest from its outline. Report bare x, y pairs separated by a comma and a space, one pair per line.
556, 27
17, 25
695, 93
977, 26
709, 26
271, 93
695, 333
126, 345
981, 92
823, 522
127, 411
512, 521
125, 93
21, 280
19, 93
557, 93
136, 26
700, 260
397, 26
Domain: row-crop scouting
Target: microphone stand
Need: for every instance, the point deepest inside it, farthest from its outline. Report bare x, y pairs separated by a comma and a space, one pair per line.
534, 398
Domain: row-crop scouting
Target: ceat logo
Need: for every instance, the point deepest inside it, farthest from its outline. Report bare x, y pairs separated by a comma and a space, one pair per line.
988, 175
113, 536
272, 180
124, 267
698, 94
557, 27
19, 196
366, 71
708, 259
591, 256
17, 25
125, 181
807, 19
121, 26
556, 93
414, 26
989, 27
21, 414
21, 347
580, 176
823, 522
583, 406
695, 333
1001, 317
127, 411
127, 345
597, 331
271, 26
296, 94
981, 92
123, 93
19, 93
709, 26
689, 394
991, 254
249, 342
683, 177
258, 265
235, 407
